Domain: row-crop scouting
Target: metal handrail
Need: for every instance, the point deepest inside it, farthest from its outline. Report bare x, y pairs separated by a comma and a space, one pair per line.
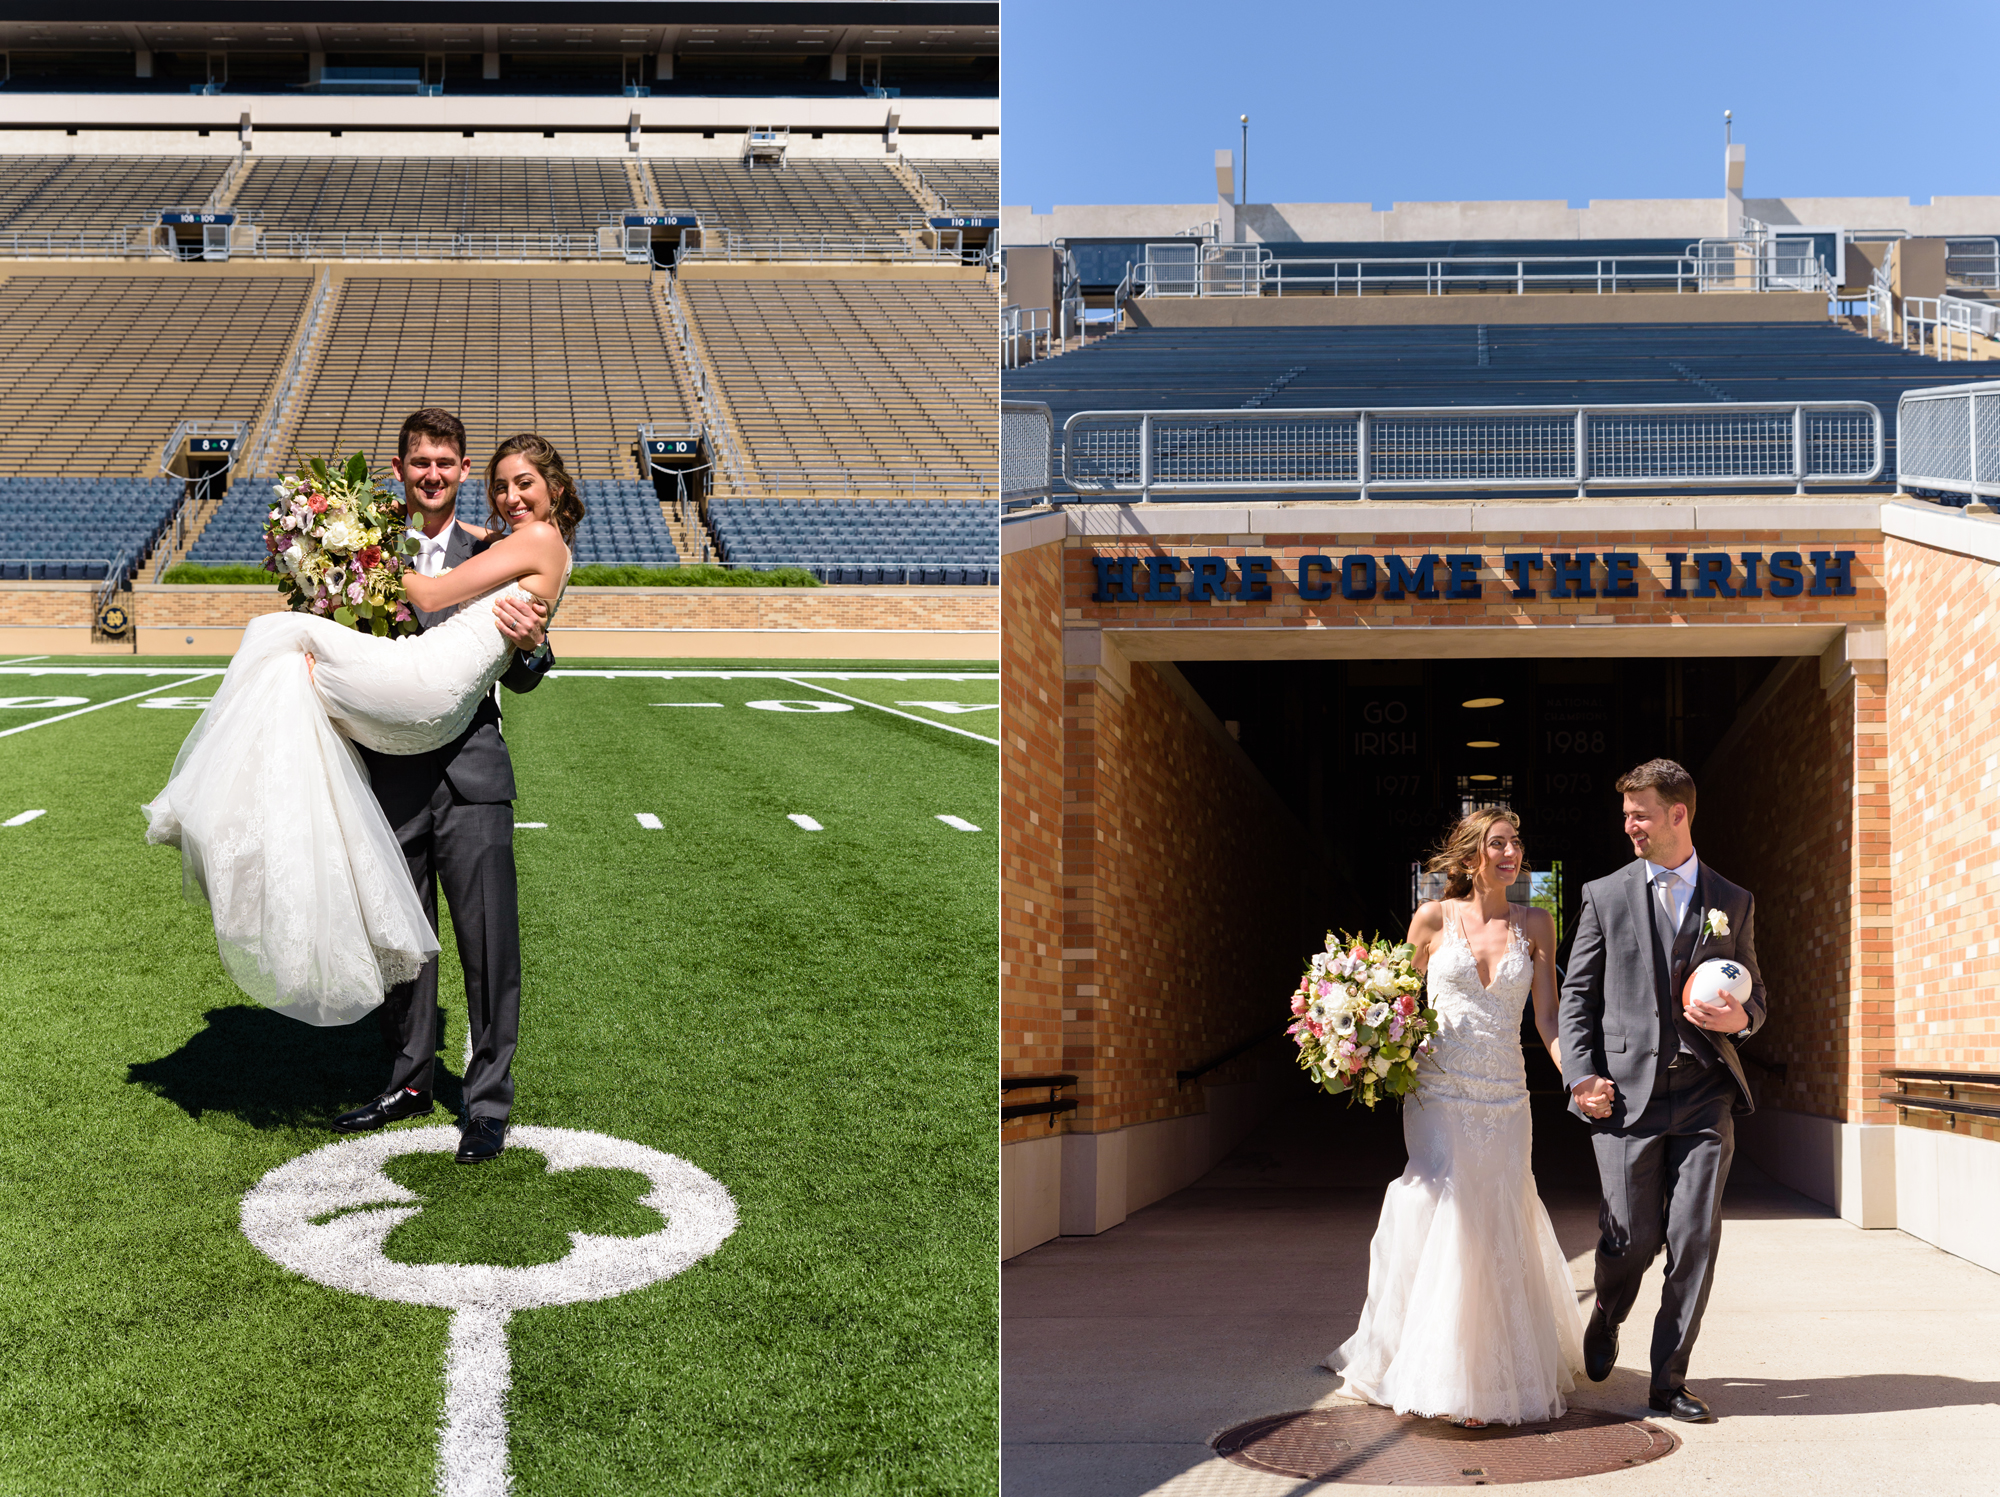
721, 440
258, 449
933, 479
1033, 324
1938, 439
729, 245
1419, 448
1027, 450
1607, 274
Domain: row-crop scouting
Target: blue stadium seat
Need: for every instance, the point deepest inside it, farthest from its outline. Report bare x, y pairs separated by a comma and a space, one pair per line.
935, 542
65, 529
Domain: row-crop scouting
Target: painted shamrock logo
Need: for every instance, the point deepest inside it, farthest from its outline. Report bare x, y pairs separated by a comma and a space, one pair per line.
329, 1216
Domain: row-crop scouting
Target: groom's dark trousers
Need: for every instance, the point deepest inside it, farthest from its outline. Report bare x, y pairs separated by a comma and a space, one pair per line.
453, 813
1663, 1155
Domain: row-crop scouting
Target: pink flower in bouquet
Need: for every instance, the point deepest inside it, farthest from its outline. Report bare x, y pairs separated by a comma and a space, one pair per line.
1345, 1047
1299, 1002
356, 592
316, 503
1325, 988
1406, 1005
1359, 953
402, 613
1357, 1062
370, 557
1396, 1027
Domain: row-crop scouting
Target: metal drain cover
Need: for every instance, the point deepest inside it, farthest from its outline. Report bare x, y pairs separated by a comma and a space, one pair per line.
1379, 1447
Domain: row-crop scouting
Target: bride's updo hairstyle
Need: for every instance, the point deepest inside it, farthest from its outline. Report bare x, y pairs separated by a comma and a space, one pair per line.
1464, 846
565, 498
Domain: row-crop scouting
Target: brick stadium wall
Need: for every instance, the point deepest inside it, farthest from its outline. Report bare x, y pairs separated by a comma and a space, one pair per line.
1183, 897
47, 605
1796, 810
1944, 656
1031, 823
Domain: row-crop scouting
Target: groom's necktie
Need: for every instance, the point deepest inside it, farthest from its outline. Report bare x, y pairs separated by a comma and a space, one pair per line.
1667, 885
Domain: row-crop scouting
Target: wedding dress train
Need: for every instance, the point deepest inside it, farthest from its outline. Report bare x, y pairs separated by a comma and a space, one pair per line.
315, 914
1470, 1312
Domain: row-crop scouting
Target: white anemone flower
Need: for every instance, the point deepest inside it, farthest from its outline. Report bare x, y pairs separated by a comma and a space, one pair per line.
1343, 1022
1377, 1016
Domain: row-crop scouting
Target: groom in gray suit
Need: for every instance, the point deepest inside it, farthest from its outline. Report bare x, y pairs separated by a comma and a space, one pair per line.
453, 813
1660, 1082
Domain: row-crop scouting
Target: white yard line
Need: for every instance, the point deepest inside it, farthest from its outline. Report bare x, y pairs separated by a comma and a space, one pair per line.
99, 707
24, 818
533, 826
649, 821
804, 822
864, 702
190, 672
686, 704
23, 660
958, 823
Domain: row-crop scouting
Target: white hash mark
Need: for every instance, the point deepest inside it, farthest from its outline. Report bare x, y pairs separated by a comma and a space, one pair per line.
958, 823
805, 822
954, 707
24, 818
533, 826
649, 821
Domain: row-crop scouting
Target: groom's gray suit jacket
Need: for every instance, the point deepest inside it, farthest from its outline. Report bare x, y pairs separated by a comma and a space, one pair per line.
476, 762
1621, 1002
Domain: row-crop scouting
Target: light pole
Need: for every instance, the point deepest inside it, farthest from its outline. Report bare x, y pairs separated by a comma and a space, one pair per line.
1244, 187
1727, 117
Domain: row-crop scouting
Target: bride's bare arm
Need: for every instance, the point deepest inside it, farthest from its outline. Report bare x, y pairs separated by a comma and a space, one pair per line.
1541, 930
1425, 927
534, 556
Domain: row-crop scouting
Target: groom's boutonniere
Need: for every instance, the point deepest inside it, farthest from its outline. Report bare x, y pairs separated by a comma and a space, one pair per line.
1715, 923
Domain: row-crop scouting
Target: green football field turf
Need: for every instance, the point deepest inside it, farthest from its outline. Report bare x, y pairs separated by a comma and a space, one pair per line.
807, 1016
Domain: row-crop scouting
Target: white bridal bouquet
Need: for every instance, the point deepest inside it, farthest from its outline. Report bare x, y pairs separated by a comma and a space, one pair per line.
1359, 1019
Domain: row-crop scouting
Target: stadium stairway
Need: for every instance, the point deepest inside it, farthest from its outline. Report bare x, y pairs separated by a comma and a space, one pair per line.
920, 541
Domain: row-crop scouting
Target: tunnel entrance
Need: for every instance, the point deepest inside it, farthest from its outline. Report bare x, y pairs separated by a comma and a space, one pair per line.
1377, 758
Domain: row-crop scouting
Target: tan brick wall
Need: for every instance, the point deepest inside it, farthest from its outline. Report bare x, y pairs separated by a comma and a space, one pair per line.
1495, 605
1031, 820
1944, 656
169, 607
1798, 813
47, 605
1182, 891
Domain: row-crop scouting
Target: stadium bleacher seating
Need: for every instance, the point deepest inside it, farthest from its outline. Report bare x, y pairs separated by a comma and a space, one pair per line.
1383, 366
96, 370
622, 524
966, 186
583, 361
65, 194
950, 542
855, 199
435, 194
80, 529
888, 373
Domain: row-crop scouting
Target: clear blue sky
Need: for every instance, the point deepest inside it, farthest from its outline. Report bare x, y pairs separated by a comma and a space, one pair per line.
1444, 100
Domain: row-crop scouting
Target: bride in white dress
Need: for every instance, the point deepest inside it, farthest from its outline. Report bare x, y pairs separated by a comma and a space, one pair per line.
315, 913
1470, 1314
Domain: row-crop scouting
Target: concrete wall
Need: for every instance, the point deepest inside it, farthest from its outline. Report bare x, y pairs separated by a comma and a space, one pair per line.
1629, 218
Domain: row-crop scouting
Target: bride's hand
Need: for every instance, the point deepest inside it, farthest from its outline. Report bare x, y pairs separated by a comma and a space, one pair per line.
521, 622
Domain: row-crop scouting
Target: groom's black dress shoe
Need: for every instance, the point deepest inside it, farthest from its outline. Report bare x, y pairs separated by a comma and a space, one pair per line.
1600, 1346
1679, 1404
483, 1139
386, 1108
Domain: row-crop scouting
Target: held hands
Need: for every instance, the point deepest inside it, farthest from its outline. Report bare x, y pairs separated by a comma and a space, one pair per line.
520, 622
1594, 1096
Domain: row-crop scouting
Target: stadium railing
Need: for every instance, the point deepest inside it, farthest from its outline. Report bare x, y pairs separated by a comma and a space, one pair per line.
932, 479
1027, 452
1948, 438
257, 451
730, 246
1144, 453
1026, 334
1240, 270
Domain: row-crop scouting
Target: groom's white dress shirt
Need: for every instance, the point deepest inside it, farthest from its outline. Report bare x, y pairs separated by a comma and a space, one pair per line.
430, 549
1673, 888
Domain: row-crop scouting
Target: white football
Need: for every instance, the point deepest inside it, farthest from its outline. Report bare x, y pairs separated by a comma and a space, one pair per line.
1717, 979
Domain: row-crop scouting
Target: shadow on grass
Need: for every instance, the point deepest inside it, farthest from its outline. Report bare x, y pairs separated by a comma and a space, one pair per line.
267, 1071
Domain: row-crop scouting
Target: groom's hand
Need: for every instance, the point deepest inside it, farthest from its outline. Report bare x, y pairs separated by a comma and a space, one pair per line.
520, 623
1594, 1096
1725, 1016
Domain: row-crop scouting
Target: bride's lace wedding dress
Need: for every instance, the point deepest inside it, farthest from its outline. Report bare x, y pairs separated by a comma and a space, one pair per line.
315, 913
1470, 1312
